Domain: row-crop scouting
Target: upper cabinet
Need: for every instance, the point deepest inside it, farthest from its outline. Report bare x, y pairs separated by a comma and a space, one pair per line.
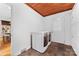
5, 11
46, 9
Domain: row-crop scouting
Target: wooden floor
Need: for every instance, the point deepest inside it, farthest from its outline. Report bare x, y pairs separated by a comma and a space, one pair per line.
5, 50
55, 49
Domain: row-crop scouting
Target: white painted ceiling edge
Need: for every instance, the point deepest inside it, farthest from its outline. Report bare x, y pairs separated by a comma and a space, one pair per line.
5, 12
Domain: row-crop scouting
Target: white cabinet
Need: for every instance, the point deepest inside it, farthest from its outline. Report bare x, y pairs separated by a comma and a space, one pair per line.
41, 41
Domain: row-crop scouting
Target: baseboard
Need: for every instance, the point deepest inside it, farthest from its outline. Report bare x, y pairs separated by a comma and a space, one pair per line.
67, 43
62, 42
25, 49
76, 52
19, 52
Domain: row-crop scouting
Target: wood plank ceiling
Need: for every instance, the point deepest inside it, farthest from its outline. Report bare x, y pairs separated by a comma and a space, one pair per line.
46, 9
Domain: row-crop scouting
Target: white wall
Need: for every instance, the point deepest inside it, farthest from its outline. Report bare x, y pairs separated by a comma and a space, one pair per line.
24, 21
5, 12
0, 29
60, 26
75, 28
67, 25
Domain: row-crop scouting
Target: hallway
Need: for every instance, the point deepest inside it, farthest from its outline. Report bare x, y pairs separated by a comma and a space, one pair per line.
5, 50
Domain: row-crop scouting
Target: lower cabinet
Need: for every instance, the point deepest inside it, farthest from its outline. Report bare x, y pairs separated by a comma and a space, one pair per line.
41, 41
